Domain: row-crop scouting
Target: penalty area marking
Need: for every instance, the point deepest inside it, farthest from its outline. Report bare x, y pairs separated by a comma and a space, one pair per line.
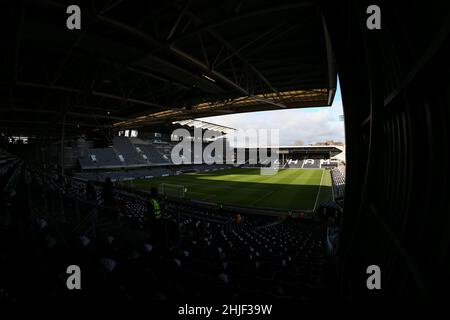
318, 192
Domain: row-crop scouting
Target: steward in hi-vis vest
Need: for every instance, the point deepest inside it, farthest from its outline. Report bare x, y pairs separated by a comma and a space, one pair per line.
155, 208
154, 218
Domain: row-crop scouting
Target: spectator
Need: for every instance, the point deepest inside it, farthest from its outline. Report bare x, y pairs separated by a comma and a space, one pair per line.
289, 215
108, 192
237, 220
91, 193
154, 224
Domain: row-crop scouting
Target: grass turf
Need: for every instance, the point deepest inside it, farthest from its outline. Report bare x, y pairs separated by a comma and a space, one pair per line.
289, 189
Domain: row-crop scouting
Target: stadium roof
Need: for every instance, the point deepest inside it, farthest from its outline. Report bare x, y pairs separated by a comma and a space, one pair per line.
138, 63
335, 150
295, 147
206, 125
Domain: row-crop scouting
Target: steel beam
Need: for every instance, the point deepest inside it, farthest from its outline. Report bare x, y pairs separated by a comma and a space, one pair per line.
132, 100
331, 65
234, 17
93, 92
219, 76
177, 22
156, 77
236, 53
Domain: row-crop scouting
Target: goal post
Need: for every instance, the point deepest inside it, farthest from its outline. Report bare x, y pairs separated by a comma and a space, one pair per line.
269, 171
172, 190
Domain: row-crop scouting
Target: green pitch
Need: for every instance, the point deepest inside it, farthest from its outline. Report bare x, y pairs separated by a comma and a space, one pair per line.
289, 189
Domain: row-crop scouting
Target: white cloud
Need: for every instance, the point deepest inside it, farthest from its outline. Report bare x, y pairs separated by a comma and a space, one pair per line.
309, 124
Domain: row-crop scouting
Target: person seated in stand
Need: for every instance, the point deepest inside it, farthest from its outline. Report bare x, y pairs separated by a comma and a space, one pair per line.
237, 220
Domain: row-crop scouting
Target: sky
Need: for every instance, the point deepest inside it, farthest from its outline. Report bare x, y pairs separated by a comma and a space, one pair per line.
309, 125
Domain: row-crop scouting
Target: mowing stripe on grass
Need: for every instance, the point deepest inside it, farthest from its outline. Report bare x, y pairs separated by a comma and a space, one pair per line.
299, 189
318, 192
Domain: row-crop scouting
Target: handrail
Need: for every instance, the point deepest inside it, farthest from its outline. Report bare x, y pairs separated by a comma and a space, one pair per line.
93, 213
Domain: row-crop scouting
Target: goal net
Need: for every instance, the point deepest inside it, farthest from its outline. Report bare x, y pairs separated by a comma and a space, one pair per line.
269, 171
172, 190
